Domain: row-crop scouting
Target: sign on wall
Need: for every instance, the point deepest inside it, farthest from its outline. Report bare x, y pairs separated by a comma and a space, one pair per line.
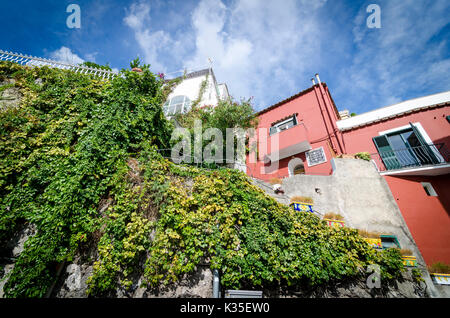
316, 156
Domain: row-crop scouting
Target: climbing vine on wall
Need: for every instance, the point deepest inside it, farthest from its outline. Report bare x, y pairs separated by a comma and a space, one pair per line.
58, 153
75, 142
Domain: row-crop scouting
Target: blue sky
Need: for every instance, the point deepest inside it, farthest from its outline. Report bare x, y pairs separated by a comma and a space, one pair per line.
260, 48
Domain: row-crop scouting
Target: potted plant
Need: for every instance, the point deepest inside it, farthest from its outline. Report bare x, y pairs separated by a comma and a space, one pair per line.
301, 203
373, 238
334, 219
409, 260
363, 156
440, 273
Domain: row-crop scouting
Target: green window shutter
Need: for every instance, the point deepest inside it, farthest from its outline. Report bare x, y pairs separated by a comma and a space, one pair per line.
386, 152
426, 153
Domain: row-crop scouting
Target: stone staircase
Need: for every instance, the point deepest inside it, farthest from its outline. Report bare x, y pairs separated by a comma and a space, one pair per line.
267, 188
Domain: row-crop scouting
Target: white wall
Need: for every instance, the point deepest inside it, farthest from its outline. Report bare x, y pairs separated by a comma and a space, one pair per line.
190, 87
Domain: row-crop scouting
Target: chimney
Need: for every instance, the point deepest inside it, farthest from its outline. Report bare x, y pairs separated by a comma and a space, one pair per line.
313, 81
318, 78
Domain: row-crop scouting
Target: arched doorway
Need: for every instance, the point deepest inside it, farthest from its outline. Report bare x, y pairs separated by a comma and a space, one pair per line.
296, 166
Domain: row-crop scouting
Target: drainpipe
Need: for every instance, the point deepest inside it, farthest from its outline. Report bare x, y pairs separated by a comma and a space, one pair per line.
321, 112
329, 116
216, 279
341, 140
216, 283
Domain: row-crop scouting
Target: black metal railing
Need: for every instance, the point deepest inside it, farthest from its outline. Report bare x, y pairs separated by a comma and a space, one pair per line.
426, 155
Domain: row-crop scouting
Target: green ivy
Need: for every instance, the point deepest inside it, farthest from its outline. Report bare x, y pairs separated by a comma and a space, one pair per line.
59, 152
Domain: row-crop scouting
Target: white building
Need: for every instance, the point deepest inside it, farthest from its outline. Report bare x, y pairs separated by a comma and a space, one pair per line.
188, 90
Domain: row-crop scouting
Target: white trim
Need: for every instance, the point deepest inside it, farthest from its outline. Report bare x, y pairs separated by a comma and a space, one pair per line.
393, 110
418, 170
315, 164
293, 163
277, 125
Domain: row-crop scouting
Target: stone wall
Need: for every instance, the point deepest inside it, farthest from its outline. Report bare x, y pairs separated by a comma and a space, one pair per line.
72, 284
356, 191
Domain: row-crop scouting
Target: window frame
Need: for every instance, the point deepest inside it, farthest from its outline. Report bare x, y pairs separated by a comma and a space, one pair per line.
169, 105
293, 117
428, 188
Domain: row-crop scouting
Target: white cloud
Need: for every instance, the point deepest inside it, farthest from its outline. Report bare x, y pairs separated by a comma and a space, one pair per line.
271, 50
252, 46
400, 60
256, 46
152, 43
64, 54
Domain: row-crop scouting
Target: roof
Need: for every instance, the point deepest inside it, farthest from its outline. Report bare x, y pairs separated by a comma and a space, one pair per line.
265, 110
298, 95
197, 73
385, 113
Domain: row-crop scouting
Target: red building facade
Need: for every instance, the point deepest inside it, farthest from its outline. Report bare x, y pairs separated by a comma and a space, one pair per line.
408, 142
302, 127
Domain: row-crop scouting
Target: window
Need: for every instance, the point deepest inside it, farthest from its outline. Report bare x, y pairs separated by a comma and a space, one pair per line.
285, 124
316, 157
389, 241
177, 104
299, 169
405, 148
429, 189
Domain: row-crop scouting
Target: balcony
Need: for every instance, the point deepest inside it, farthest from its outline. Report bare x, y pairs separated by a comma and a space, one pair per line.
286, 143
426, 160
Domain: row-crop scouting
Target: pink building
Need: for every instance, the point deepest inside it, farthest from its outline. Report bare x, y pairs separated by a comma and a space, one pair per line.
409, 143
304, 127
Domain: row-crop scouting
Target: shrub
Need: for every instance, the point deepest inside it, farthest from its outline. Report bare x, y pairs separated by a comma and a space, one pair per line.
363, 156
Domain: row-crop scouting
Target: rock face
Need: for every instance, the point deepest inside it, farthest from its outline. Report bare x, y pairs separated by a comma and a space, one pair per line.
406, 287
199, 285
73, 282
11, 251
196, 285
73, 278
10, 96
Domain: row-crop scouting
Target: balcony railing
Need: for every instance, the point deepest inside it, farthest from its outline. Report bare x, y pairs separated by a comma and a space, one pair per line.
37, 61
412, 157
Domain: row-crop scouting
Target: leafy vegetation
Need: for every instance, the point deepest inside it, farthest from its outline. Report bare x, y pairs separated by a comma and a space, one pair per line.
95, 65
228, 114
363, 156
59, 153
79, 159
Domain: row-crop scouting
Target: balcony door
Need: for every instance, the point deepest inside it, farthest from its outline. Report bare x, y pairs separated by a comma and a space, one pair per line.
405, 148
